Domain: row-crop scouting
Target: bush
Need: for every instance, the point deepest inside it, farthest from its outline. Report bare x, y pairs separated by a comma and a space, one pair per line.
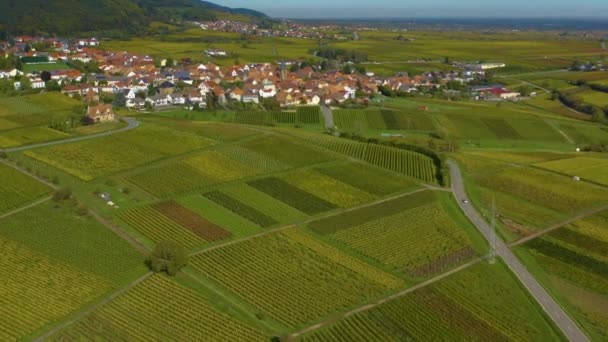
82, 210
3, 155
62, 195
168, 257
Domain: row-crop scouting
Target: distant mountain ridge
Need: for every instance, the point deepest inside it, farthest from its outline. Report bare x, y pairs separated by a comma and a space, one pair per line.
66, 17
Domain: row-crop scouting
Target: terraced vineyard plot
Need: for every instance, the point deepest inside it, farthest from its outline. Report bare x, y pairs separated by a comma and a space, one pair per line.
55, 263
501, 129
203, 170
592, 169
254, 118
17, 189
284, 117
292, 277
395, 120
368, 178
155, 310
330, 189
584, 134
422, 241
7, 124
481, 303
284, 150
157, 227
552, 191
241, 209
358, 120
29, 135
309, 115
223, 132
292, 196
401, 161
575, 261
264, 203
237, 226
37, 290
191, 221
361, 216
91, 159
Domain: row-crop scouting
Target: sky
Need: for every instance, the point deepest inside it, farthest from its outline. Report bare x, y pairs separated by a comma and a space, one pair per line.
423, 8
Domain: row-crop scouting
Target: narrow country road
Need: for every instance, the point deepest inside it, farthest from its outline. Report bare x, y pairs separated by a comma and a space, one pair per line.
131, 124
555, 312
329, 117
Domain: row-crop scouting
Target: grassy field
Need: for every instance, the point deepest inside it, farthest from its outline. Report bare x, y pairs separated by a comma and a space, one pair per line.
588, 168
573, 264
55, 263
483, 302
28, 68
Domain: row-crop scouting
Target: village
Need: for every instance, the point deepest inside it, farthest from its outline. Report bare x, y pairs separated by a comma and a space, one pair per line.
150, 84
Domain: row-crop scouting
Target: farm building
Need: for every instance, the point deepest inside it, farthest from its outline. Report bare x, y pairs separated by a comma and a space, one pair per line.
101, 113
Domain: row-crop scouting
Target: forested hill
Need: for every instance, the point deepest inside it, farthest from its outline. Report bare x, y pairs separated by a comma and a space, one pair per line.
65, 17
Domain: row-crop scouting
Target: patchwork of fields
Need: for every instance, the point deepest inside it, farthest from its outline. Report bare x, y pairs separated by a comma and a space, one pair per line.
17, 189
573, 261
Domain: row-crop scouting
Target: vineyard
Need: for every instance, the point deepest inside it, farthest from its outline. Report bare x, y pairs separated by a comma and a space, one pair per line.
330, 189
245, 211
357, 120
17, 189
575, 256
145, 314
205, 169
29, 135
422, 241
54, 264
481, 303
543, 188
264, 203
315, 279
308, 115
287, 151
587, 168
401, 161
91, 159
371, 179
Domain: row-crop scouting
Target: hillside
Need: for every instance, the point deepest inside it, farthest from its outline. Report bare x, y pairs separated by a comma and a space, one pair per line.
111, 17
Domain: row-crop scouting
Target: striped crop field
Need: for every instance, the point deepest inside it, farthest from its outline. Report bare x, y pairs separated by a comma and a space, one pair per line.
144, 313
17, 189
416, 234
401, 161
483, 302
315, 279
171, 221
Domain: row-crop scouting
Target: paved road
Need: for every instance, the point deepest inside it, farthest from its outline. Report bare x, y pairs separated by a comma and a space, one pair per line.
557, 314
329, 117
131, 124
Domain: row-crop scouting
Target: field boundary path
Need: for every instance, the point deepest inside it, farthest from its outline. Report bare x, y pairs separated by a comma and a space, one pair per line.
553, 310
383, 300
552, 124
92, 308
132, 123
585, 214
10, 213
329, 117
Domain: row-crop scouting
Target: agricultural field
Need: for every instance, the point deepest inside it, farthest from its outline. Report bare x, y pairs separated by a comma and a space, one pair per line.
596, 98
482, 302
361, 121
144, 313
28, 68
527, 198
17, 189
420, 234
405, 162
91, 159
573, 264
315, 279
24, 120
588, 168
54, 264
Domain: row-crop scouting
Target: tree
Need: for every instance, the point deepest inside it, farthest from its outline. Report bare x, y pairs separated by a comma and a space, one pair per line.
151, 90
120, 100
26, 84
45, 76
168, 257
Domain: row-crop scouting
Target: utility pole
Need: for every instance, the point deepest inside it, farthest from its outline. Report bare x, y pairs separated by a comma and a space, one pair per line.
492, 258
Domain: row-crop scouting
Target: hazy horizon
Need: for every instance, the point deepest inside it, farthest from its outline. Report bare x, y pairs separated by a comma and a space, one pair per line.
401, 9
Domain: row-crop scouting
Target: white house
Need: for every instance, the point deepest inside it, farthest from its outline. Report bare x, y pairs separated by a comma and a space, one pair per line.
176, 99
268, 93
251, 99
37, 83
158, 100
